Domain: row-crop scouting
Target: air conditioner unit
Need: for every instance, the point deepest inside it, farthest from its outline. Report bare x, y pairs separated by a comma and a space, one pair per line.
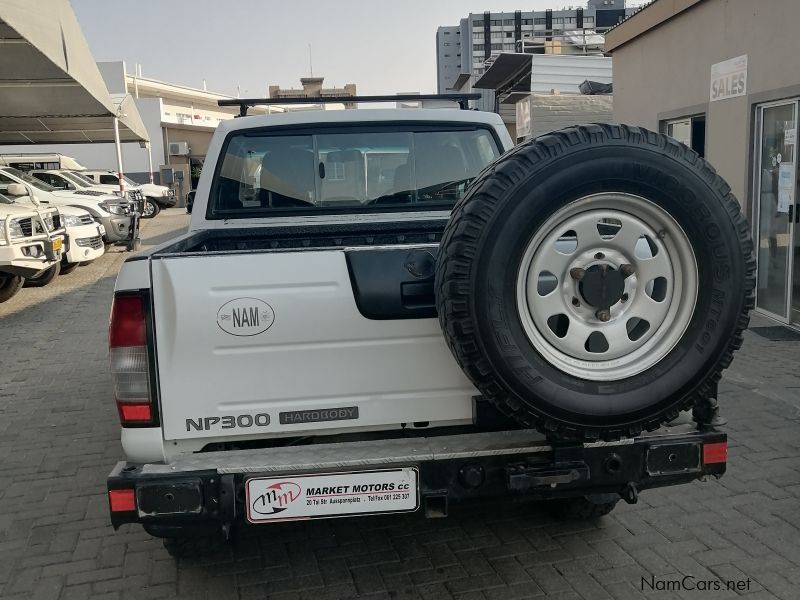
179, 149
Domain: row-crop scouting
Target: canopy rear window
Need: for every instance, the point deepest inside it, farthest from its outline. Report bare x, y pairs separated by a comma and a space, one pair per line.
356, 170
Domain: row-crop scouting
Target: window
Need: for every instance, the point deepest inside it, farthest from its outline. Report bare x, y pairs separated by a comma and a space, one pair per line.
527, 21
509, 34
355, 170
4, 183
477, 47
539, 21
508, 21
559, 20
497, 46
496, 23
477, 23
109, 179
690, 131
569, 19
588, 19
446, 44
447, 33
56, 181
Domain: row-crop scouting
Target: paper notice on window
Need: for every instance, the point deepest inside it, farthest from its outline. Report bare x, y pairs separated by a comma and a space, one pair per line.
790, 136
786, 184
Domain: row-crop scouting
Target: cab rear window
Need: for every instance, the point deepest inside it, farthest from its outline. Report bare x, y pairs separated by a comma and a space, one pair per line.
352, 171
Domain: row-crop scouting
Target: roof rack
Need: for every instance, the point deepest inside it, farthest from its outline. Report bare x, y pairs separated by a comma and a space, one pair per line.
245, 103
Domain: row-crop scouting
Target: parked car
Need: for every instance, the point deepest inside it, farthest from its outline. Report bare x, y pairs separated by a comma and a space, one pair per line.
83, 240
117, 216
393, 309
156, 196
31, 243
74, 180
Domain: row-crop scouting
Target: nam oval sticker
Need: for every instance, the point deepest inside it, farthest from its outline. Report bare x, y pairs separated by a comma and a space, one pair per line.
245, 316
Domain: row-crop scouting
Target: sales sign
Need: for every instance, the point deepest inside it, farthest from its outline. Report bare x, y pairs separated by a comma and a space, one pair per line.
729, 78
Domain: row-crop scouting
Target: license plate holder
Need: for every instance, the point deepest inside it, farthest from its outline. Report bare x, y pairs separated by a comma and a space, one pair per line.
272, 499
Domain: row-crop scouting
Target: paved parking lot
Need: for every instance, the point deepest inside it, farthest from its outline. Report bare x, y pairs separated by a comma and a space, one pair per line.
59, 439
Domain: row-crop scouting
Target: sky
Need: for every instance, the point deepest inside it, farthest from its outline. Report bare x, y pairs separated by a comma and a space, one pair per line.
382, 46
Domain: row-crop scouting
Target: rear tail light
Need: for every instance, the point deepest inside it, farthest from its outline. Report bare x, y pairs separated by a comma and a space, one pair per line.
121, 500
127, 351
716, 452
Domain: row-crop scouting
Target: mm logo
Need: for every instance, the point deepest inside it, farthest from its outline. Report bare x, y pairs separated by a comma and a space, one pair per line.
276, 498
245, 316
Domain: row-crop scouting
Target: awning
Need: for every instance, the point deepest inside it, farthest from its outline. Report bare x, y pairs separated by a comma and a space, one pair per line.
507, 68
51, 90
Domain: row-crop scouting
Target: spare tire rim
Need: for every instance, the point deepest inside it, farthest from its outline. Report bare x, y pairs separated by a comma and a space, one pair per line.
607, 286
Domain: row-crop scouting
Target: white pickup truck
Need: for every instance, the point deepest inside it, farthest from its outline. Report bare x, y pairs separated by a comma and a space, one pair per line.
283, 360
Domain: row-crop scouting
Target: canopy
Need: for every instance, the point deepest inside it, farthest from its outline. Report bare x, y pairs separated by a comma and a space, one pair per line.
51, 90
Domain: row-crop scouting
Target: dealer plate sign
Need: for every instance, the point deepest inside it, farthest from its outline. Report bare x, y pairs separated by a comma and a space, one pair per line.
325, 495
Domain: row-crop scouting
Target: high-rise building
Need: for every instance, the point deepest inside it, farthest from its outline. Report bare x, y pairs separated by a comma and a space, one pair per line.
462, 50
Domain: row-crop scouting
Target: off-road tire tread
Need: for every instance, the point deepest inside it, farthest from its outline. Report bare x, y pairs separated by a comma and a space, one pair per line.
10, 287
67, 268
459, 245
51, 274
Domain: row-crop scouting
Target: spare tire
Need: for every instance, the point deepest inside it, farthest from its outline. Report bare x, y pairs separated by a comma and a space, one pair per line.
595, 281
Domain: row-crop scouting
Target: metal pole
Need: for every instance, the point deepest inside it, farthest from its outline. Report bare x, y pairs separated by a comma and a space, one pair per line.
150, 159
118, 148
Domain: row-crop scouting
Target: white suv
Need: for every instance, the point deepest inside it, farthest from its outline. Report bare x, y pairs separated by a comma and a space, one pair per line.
75, 181
83, 240
117, 216
156, 196
31, 243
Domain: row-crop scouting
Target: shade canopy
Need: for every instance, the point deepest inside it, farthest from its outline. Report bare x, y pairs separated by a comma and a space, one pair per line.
51, 90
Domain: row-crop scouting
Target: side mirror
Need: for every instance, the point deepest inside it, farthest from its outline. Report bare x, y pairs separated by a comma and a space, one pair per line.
17, 189
190, 201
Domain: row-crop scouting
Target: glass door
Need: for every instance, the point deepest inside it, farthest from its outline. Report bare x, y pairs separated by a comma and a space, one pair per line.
776, 184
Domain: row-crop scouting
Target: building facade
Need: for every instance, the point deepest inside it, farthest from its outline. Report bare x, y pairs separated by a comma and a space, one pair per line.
719, 75
312, 87
481, 36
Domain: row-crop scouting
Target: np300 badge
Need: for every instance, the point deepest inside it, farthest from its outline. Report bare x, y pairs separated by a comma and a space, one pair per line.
245, 317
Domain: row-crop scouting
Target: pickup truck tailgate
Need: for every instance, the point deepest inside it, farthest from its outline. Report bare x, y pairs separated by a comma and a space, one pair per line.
241, 336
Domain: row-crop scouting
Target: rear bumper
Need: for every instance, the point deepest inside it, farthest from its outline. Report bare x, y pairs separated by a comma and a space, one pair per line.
207, 489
